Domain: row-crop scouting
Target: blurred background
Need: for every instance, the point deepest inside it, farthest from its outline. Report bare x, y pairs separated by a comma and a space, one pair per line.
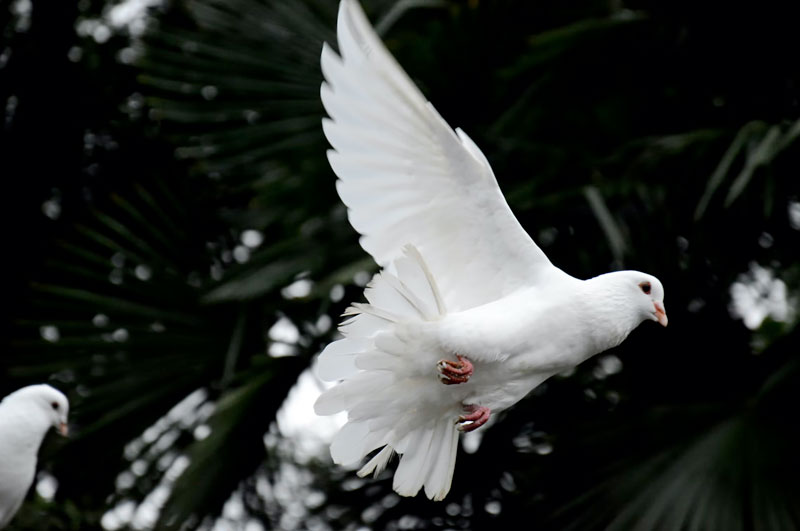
178, 256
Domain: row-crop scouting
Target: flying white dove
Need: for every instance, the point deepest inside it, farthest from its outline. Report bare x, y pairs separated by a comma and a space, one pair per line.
468, 315
25, 417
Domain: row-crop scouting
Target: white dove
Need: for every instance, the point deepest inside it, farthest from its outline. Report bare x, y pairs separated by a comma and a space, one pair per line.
468, 315
25, 417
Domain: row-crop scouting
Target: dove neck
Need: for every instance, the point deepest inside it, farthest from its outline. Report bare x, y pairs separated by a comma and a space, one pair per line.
22, 429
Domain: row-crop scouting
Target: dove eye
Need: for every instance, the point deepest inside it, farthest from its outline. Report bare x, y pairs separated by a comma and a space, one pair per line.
645, 286
55, 405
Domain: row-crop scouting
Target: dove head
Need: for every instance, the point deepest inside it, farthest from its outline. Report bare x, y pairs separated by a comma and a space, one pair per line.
651, 298
44, 405
637, 295
647, 293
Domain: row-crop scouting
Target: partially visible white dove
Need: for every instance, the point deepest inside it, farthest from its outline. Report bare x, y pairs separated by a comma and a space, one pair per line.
468, 315
25, 417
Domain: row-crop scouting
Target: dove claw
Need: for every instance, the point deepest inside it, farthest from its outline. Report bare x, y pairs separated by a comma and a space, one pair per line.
477, 416
454, 372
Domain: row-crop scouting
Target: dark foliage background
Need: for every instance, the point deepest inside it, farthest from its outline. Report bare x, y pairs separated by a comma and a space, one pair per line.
167, 181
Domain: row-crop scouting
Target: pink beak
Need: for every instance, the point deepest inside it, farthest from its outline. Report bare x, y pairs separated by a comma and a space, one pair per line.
63, 429
661, 314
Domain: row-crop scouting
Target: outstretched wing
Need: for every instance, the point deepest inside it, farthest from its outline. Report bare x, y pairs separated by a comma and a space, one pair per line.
408, 178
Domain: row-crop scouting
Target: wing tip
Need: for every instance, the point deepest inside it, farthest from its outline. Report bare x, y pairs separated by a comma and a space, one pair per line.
327, 53
332, 155
353, 24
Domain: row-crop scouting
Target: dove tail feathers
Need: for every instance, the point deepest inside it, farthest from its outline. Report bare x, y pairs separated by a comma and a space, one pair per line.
388, 384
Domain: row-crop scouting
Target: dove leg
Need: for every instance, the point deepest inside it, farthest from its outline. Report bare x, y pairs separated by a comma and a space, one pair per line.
476, 417
454, 372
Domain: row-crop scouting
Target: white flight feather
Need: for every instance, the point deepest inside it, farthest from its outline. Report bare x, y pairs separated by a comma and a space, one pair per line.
418, 181
385, 383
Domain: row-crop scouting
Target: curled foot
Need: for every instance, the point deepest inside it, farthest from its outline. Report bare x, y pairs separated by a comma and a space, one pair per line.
476, 417
454, 372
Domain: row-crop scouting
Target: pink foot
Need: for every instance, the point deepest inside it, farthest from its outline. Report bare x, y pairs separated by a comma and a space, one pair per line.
454, 372
477, 416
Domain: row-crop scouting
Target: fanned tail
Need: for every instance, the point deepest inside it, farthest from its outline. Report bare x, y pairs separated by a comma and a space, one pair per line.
391, 403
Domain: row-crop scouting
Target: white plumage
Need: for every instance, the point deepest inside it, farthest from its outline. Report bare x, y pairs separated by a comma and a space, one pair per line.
25, 417
462, 281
